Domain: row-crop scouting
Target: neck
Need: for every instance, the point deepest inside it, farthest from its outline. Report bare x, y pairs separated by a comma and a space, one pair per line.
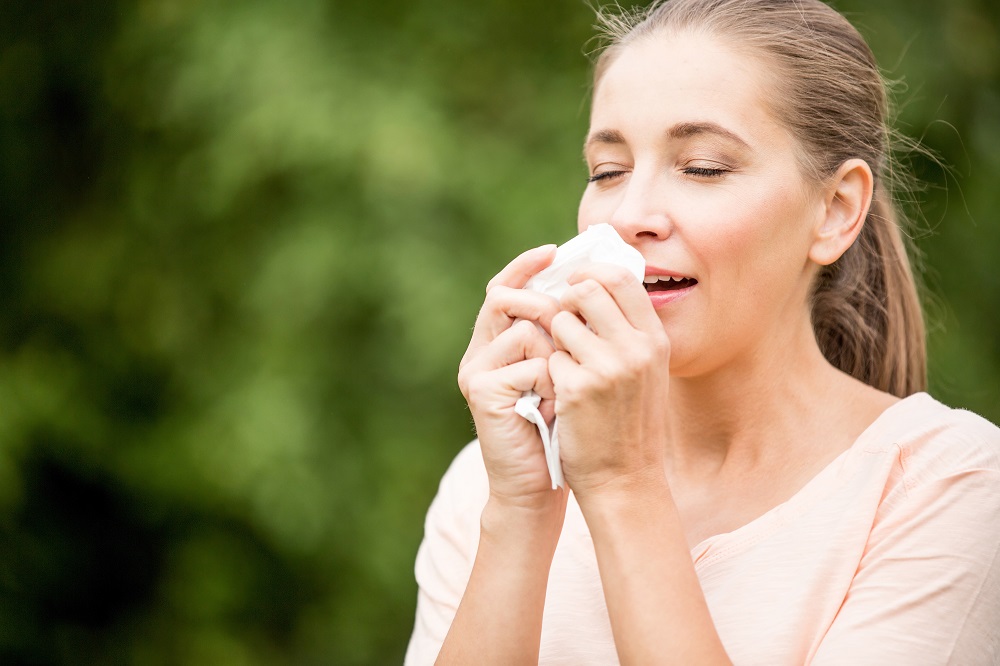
754, 410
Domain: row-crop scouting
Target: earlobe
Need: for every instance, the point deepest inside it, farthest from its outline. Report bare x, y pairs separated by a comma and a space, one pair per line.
848, 198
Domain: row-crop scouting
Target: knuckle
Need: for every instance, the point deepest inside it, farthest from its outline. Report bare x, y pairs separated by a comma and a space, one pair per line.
607, 374
561, 320
655, 344
517, 334
634, 363
549, 309
495, 295
660, 344
563, 317
536, 365
524, 329
639, 357
619, 277
569, 396
476, 387
575, 393
588, 287
576, 293
463, 380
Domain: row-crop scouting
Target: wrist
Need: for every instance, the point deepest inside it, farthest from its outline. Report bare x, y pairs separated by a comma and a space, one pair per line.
615, 486
534, 522
626, 498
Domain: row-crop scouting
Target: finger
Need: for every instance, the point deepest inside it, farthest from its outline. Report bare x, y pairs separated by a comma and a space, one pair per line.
519, 271
521, 341
561, 369
504, 306
528, 375
592, 302
544, 387
498, 390
626, 290
571, 335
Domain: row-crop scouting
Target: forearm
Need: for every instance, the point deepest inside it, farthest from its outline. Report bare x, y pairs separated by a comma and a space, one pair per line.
657, 609
499, 620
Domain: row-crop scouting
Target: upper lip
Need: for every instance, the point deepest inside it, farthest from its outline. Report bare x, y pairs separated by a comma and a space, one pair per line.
663, 272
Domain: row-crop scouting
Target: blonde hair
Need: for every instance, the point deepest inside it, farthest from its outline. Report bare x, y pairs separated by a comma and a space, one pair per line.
865, 309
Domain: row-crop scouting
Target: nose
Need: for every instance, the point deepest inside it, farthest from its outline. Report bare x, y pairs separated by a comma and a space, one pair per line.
642, 211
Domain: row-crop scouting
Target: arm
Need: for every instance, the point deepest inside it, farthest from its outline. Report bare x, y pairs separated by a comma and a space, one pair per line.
500, 616
611, 380
657, 609
445, 564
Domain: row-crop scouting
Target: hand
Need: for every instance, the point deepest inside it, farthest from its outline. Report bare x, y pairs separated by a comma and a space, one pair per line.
507, 356
611, 377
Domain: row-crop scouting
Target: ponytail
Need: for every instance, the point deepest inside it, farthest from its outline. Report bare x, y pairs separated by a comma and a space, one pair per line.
866, 311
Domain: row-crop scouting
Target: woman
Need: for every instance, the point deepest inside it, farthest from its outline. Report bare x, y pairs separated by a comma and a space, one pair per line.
755, 475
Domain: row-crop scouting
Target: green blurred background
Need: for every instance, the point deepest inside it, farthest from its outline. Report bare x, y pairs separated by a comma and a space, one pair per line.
243, 246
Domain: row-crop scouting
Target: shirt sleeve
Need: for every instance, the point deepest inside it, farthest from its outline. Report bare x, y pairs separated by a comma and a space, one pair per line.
447, 553
927, 590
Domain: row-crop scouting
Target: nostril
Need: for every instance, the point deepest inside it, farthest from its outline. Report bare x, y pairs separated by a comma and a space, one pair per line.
646, 225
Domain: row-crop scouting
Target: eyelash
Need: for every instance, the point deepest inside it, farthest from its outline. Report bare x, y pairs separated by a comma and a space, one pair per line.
691, 171
605, 175
703, 171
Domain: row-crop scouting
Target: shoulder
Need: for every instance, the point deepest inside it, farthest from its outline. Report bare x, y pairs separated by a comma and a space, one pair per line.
461, 496
936, 441
929, 450
466, 477
451, 529
927, 586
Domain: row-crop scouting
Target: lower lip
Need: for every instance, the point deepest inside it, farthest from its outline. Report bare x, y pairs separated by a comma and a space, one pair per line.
661, 299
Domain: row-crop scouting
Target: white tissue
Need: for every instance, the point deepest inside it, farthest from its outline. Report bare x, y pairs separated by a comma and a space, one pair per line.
600, 243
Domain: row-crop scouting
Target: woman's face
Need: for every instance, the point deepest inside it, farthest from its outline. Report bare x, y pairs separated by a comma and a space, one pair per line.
688, 164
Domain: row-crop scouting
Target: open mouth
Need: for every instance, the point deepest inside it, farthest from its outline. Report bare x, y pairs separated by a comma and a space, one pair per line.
667, 282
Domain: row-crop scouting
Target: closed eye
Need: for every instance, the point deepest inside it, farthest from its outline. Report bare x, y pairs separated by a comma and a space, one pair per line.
705, 172
606, 175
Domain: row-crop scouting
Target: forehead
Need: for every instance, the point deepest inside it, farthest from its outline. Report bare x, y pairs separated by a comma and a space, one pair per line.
666, 78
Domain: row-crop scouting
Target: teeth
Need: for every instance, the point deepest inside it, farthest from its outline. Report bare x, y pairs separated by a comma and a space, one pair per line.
653, 279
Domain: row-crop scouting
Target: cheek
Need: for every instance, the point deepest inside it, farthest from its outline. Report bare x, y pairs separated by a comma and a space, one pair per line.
592, 210
757, 243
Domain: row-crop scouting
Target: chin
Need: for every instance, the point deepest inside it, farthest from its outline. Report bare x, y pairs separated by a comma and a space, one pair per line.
688, 361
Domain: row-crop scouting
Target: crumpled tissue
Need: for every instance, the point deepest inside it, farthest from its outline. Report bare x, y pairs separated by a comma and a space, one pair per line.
600, 243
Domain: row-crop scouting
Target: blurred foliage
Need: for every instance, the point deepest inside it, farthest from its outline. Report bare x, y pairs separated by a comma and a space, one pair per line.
243, 245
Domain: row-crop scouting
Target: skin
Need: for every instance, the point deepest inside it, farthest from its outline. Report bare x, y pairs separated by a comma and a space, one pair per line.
678, 422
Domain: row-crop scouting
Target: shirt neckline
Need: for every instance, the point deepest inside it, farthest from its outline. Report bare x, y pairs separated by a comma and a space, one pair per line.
720, 545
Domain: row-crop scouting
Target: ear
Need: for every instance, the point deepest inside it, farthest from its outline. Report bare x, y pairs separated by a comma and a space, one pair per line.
848, 197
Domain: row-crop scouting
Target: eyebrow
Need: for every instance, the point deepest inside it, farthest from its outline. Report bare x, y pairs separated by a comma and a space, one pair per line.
679, 131
688, 130
605, 136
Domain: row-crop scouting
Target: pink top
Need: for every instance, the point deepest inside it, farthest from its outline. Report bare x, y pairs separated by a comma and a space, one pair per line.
890, 555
